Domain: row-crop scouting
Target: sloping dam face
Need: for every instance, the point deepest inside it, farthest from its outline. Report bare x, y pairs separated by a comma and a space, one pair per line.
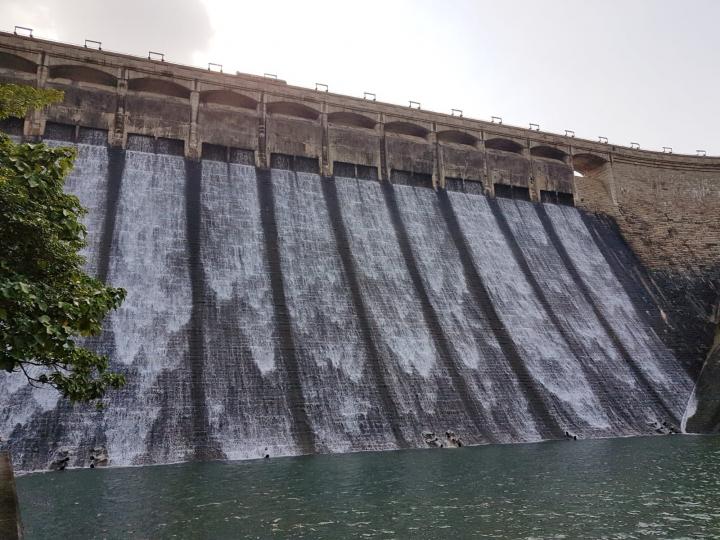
283, 313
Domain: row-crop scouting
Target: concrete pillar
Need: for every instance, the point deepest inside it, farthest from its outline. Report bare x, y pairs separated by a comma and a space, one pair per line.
116, 134
193, 147
438, 162
326, 168
10, 526
532, 187
487, 181
611, 182
383, 173
262, 159
34, 126
569, 161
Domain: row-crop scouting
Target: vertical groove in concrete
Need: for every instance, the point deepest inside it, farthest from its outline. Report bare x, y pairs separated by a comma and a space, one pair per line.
366, 325
619, 346
116, 167
10, 526
442, 345
302, 430
547, 426
576, 348
203, 445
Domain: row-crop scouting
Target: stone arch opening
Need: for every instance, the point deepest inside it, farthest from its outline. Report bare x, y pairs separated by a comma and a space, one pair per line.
344, 118
158, 86
406, 128
82, 74
504, 145
228, 98
17, 63
291, 108
586, 164
457, 137
548, 152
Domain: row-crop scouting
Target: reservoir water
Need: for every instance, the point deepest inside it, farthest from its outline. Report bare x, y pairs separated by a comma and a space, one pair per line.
648, 487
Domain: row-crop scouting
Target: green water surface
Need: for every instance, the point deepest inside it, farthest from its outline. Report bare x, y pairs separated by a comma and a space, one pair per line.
656, 487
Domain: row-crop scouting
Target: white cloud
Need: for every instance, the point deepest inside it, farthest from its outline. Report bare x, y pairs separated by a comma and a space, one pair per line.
178, 28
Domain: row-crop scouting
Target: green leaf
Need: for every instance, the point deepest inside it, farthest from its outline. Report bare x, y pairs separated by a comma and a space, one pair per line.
47, 299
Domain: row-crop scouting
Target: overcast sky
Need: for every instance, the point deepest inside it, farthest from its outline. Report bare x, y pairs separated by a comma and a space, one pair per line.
646, 71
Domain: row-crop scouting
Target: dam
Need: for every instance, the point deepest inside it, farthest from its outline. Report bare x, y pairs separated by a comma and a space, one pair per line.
315, 273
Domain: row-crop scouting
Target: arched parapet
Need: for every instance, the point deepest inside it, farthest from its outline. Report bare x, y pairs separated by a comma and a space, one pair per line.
227, 118
507, 164
548, 152
80, 73
90, 94
14, 62
588, 162
407, 148
159, 107
551, 175
502, 144
550, 172
293, 129
228, 98
162, 87
407, 128
457, 137
292, 108
351, 119
354, 142
594, 182
459, 157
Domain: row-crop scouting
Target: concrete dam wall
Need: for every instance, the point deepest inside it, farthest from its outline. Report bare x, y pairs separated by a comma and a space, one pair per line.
307, 276
283, 310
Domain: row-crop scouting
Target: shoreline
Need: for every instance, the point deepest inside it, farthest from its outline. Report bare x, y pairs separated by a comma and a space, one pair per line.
22, 474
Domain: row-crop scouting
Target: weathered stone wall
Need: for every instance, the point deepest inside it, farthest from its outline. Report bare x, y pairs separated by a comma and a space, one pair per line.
667, 211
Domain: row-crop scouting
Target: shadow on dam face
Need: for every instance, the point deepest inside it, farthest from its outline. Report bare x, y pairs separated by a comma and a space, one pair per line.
279, 312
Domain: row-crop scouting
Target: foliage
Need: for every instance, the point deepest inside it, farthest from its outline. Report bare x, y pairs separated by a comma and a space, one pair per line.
16, 100
46, 299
